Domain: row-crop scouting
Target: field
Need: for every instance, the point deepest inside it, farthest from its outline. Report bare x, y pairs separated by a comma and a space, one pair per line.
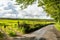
14, 26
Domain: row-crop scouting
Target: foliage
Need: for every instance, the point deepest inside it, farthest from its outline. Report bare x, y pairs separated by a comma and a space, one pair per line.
22, 26
1, 35
52, 7
12, 34
25, 3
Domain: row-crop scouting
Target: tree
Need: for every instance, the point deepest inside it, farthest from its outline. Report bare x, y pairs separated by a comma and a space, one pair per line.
52, 7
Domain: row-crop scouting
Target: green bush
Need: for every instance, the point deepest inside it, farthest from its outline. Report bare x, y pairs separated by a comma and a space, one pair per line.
26, 28
12, 34
1, 35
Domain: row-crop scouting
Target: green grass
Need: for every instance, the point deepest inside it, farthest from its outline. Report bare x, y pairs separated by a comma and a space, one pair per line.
57, 26
10, 26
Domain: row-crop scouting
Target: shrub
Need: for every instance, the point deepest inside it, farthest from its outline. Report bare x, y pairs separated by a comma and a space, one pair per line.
1, 35
12, 34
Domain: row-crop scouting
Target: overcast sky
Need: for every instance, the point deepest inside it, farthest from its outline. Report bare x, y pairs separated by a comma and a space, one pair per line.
9, 10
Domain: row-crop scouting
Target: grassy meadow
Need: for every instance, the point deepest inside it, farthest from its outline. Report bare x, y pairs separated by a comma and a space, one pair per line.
22, 26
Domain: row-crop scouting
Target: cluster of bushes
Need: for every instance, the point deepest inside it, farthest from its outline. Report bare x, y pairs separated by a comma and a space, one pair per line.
28, 28
12, 34
25, 28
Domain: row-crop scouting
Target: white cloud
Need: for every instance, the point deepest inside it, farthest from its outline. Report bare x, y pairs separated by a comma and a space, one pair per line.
33, 10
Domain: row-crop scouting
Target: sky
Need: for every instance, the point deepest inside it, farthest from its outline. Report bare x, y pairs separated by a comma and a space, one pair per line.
8, 9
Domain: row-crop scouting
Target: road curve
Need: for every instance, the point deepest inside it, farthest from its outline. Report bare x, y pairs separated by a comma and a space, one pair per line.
45, 32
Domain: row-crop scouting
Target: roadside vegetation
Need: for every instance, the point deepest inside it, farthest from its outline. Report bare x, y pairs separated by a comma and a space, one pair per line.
18, 27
